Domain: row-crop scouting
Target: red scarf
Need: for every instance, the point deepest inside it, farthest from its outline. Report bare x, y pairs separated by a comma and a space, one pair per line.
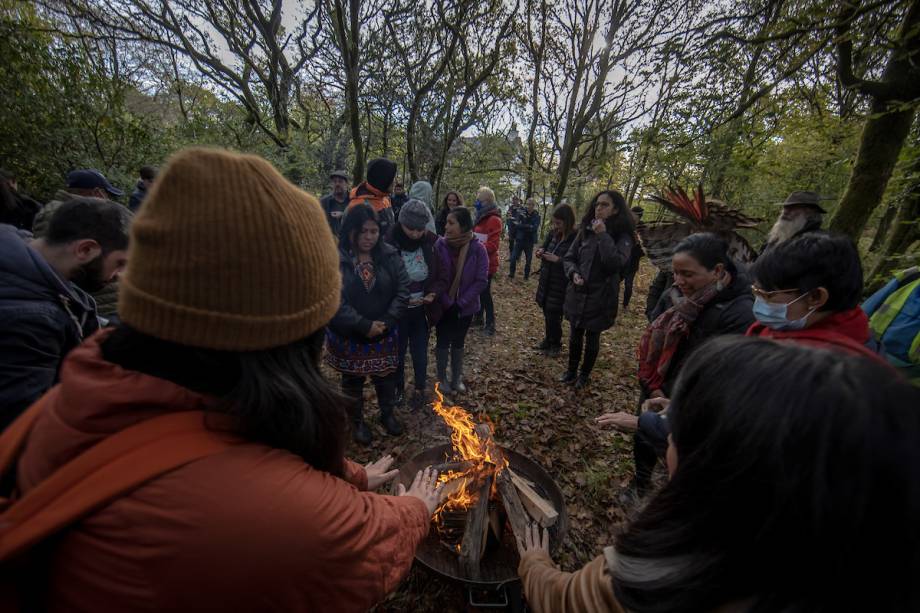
664, 335
846, 331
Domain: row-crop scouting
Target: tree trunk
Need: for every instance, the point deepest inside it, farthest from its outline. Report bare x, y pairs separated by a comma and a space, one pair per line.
884, 225
905, 231
882, 138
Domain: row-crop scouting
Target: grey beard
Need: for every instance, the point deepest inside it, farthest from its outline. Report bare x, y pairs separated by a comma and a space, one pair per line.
783, 229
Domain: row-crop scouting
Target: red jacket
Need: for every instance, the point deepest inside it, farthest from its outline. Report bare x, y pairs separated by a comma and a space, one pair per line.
847, 331
490, 224
248, 529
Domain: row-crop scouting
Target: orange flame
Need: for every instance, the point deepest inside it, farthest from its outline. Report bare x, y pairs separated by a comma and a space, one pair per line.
484, 455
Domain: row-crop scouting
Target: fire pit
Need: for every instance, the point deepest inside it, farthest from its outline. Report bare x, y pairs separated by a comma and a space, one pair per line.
497, 492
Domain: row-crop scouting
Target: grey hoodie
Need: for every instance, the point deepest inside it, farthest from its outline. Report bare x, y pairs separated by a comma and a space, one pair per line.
42, 317
422, 190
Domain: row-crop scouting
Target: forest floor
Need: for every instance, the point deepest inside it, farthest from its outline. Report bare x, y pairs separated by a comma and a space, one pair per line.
537, 416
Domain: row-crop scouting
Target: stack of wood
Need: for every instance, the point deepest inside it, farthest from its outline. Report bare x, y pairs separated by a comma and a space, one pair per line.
522, 505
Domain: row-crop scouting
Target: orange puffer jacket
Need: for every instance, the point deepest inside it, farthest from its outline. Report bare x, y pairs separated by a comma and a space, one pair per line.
250, 528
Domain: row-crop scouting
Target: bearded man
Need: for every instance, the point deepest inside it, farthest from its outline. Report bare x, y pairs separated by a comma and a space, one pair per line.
45, 306
802, 213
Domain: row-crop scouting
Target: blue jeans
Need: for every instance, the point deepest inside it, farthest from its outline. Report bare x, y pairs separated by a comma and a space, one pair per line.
525, 247
413, 334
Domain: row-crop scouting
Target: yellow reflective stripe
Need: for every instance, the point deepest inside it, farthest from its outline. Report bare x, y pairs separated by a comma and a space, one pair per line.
888, 310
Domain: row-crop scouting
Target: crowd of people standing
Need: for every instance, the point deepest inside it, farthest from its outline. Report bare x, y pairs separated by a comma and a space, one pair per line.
200, 429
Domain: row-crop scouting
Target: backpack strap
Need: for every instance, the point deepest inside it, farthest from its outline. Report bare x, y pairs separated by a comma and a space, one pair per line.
101, 474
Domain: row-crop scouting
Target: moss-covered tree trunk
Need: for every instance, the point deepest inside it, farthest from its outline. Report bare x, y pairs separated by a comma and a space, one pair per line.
882, 138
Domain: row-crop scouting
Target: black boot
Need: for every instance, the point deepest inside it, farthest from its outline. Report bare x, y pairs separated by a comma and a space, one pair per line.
456, 370
582, 381
441, 356
543, 346
553, 351
568, 377
389, 422
571, 372
359, 430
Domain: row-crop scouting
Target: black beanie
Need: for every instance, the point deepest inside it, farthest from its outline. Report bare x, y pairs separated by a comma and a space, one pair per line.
380, 173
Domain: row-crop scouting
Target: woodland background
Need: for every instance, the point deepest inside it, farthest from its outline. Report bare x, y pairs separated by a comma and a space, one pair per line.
553, 98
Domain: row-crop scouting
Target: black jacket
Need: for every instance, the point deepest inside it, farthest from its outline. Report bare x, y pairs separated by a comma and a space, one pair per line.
431, 260
385, 302
331, 205
730, 312
600, 259
42, 317
22, 215
527, 227
552, 284
137, 196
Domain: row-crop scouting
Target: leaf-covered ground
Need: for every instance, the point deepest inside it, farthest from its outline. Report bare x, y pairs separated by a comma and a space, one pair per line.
537, 416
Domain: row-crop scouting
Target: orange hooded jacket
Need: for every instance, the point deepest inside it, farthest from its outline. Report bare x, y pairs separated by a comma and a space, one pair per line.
247, 529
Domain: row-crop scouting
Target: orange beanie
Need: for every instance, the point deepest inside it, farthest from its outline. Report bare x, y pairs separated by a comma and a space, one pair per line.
227, 254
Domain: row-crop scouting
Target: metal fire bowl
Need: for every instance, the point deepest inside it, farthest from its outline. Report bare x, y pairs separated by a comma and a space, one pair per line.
498, 566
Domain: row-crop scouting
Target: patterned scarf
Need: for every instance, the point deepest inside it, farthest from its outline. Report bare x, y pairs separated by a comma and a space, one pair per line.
664, 335
462, 243
367, 273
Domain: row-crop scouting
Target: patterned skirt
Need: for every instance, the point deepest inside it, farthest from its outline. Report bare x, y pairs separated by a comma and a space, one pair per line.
350, 357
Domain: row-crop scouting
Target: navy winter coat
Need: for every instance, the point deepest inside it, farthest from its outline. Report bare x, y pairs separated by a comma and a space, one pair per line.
552, 285
42, 317
600, 259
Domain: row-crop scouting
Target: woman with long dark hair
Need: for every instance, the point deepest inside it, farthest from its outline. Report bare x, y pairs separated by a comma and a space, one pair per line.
463, 270
552, 284
452, 200
221, 336
593, 266
794, 486
362, 339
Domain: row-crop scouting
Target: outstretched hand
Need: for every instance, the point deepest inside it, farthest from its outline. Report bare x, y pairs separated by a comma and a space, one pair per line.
533, 539
378, 472
425, 487
620, 420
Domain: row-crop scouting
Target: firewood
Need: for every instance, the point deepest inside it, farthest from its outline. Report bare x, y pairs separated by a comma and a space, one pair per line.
458, 466
477, 525
518, 517
539, 508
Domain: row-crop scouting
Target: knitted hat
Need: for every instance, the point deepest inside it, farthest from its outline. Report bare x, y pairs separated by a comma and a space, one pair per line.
380, 173
414, 215
227, 254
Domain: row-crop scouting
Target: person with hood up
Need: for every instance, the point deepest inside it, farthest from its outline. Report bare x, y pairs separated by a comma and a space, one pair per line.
222, 327
463, 268
488, 231
375, 191
422, 191
416, 248
45, 307
593, 266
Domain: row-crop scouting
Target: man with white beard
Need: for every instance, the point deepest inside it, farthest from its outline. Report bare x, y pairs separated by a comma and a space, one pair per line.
801, 213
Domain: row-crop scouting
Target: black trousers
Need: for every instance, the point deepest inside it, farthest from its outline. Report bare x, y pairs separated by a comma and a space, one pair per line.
452, 329
577, 342
628, 281
553, 323
487, 304
353, 387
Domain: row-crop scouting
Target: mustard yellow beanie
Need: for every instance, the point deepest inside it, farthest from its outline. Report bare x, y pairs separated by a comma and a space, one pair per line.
226, 254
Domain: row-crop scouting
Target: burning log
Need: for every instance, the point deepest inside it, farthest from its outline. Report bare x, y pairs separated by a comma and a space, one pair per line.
477, 529
457, 467
537, 506
516, 514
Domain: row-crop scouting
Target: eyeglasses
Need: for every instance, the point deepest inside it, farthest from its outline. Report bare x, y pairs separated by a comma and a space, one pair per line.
766, 295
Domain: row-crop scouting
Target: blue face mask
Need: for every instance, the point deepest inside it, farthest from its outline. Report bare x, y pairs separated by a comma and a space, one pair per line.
774, 315
477, 204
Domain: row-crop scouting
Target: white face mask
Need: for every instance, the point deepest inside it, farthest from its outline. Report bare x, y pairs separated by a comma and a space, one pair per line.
775, 315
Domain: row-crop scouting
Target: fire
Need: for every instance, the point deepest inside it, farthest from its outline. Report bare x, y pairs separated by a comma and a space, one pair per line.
484, 456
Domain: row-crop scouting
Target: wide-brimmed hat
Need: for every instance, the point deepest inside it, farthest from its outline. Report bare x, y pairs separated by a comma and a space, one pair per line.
811, 199
339, 173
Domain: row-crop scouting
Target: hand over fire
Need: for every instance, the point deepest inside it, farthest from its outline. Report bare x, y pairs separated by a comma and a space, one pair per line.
425, 487
533, 540
377, 473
